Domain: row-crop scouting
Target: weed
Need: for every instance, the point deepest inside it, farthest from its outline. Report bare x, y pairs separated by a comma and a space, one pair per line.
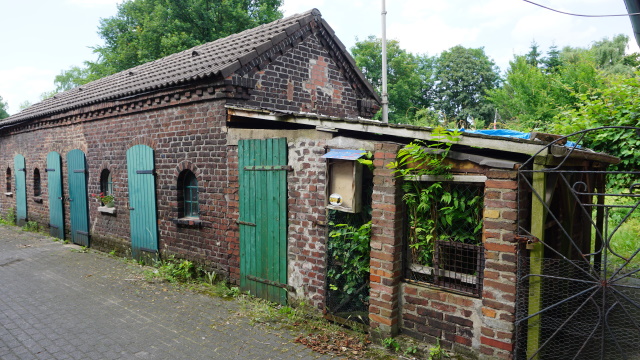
391, 344
9, 218
82, 250
437, 353
31, 226
411, 350
113, 252
211, 277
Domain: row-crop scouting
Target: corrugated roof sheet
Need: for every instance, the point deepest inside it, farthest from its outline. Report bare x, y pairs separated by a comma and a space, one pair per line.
222, 56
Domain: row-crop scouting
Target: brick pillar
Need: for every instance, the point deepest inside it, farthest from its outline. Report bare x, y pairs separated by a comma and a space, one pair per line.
499, 286
386, 243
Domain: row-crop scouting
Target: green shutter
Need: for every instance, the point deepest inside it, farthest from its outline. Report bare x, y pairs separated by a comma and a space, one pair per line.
78, 197
142, 202
56, 206
21, 189
263, 218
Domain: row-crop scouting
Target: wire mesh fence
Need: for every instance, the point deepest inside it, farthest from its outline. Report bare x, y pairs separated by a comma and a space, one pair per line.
575, 313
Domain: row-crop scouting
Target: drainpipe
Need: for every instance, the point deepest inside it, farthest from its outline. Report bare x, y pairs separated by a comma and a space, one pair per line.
385, 98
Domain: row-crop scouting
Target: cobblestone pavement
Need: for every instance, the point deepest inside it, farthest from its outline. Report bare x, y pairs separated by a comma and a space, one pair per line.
59, 303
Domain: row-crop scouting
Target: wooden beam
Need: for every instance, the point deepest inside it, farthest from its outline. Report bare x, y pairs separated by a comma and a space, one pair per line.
538, 220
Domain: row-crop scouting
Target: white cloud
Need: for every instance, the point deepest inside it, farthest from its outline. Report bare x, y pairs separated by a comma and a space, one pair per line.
21, 84
413, 36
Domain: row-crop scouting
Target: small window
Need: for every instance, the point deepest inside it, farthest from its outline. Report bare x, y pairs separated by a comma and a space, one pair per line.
190, 193
9, 180
37, 187
106, 184
445, 234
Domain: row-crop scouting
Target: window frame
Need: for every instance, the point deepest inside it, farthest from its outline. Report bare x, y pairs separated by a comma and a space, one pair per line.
190, 195
467, 282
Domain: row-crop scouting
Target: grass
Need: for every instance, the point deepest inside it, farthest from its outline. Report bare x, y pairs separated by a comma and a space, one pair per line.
626, 242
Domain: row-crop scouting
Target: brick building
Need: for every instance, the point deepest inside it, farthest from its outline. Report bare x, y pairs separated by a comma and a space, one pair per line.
215, 154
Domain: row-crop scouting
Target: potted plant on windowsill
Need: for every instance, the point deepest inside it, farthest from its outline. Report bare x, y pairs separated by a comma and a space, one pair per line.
107, 202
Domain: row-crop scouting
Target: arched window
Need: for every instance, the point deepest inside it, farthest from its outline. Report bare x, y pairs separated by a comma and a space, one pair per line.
9, 180
189, 195
37, 187
106, 184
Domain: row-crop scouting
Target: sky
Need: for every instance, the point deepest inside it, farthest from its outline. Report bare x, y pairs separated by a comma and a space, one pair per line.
40, 38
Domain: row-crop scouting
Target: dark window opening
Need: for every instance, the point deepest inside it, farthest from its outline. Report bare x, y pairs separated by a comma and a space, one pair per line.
106, 184
8, 180
37, 188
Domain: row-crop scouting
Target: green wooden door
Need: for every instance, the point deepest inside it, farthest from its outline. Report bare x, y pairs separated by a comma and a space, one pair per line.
21, 189
56, 206
78, 197
263, 218
142, 202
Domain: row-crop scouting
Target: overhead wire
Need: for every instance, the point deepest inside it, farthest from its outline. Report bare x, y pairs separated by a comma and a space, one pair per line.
572, 14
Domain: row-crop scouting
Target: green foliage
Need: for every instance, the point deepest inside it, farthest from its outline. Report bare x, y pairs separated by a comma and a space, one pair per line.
440, 211
9, 217
175, 271
3, 109
391, 344
437, 353
349, 246
536, 90
420, 158
145, 30
463, 77
615, 105
31, 226
74, 77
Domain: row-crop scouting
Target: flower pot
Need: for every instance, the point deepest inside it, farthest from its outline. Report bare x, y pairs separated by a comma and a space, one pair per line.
110, 204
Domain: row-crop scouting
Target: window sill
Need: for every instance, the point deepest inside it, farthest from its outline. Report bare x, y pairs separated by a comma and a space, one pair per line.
37, 199
9, 194
188, 221
107, 210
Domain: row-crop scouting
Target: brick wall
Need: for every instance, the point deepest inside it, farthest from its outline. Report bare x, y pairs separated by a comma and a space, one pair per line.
307, 216
305, 79
386, 243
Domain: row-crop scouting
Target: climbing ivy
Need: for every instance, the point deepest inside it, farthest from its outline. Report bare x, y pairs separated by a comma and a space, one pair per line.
349, 247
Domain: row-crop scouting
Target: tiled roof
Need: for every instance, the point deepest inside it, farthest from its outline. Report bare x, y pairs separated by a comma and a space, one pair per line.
220, 57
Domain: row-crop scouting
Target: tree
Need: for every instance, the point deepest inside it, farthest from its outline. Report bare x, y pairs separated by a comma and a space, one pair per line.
408, 76
552, 62
616, 104
533, 56
528, 97
3, 109
146, 30
74, 77
462, 78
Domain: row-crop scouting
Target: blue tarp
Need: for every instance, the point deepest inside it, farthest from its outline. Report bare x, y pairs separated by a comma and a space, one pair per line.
508, 133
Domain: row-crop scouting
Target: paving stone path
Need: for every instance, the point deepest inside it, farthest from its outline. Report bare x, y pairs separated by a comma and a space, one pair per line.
60, 303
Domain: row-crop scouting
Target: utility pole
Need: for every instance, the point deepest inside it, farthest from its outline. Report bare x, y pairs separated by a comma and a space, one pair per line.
385, 97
